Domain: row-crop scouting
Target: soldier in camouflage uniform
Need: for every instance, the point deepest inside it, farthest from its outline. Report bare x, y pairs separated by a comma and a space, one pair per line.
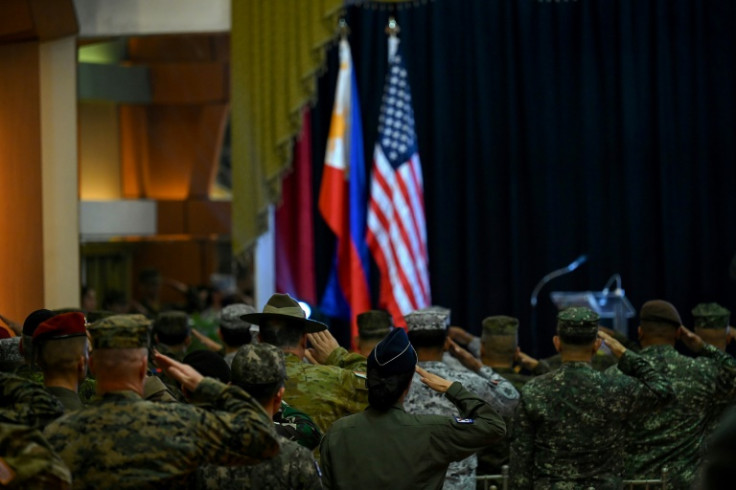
28, 462
172, 336
233, 331
568, 431
672, 435
260, 370
373, 326
10, 356
428, 335
326, 391
710, 323
297, 426
26, 403
123, 441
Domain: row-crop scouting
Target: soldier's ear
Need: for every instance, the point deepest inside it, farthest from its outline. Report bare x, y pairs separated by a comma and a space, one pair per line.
556, 342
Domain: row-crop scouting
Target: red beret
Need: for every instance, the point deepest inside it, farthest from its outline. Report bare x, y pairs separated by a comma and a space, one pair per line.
60, 327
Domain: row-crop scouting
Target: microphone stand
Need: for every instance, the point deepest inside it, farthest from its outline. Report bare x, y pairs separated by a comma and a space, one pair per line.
552, 275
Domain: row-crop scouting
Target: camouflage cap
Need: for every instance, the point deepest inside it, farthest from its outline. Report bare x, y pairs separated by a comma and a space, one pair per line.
500, 325
230, 316
577, 323
172, 324
393, 355
660, 311
374, 324
432, 318
258, 364
120, 332
710, 315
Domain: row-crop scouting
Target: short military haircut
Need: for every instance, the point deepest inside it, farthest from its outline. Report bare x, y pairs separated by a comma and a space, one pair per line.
659, 318
281, 332
427, 339
60, 355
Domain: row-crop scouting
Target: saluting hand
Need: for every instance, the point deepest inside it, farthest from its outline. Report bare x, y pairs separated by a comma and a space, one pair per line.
323, 343
440, 385
691, 340
185, 374
466, 358
617, 349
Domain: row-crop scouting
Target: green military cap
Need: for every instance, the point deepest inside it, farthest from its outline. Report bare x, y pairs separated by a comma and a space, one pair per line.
120, 332
431, 318
710, 315
258, 364
374, 324
230, 316
500, 325
172, 324
577, 322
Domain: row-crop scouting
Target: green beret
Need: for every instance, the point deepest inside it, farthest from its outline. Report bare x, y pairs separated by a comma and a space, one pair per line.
374, 324
258, 364
120, 332
710, 315
500, 325
577, 323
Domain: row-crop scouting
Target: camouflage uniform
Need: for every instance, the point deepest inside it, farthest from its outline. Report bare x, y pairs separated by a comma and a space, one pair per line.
568, 431
28, 462
134, 443
672, 435
10, 358
293, 469
27, 403
327, 392
297, 426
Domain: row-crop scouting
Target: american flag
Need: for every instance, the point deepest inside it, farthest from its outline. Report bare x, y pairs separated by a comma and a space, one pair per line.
396, 233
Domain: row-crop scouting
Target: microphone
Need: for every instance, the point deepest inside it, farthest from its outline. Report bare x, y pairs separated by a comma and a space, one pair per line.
577, 263
557, 273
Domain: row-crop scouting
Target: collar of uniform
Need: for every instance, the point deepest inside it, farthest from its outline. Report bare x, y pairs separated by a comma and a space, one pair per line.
576, 365
119, 396
662, 349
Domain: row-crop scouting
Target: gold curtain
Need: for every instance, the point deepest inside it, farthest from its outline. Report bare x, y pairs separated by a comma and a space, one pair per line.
278, 47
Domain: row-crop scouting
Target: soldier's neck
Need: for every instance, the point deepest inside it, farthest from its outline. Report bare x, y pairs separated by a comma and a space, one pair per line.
648, 341
119, 384
497, 363
429, 354
70, 381
576, 356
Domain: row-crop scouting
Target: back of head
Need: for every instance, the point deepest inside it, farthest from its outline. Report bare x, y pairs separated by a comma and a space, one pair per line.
260, 370
499, 337
374, 324
209, 363
172, 327
30, 324
659, 319
283, 322
390, 366
60, 341
234, 330
710, 316
577, 326
428, 327
120, 343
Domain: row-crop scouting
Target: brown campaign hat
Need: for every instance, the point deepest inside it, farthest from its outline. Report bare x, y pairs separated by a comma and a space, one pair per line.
284, 307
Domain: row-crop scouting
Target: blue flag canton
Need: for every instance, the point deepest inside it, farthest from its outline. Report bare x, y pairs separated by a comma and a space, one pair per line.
396, 122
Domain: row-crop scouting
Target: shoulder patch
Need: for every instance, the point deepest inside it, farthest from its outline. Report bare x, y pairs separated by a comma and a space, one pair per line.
464, 421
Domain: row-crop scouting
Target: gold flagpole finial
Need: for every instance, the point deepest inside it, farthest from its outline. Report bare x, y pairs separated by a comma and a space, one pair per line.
392, 29
342, 26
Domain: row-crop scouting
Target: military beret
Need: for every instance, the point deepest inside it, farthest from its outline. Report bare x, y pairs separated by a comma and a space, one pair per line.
660, 311
35, 319
374, 324
208, 363
172, 324
393, 355
61, 326
121, 332
284, 307
433, 318
500, 325
230, 316
710, 315
577, 322
258, 364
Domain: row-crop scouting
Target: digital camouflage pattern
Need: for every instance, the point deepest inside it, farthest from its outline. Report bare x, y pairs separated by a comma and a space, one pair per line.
29, 461
672, 435
569, 430
24, 402
258, 364
297, 426
577, 322
327, 392
710, 315
140, 444
230, 316
396, 450
120, 332
293, 469
487, 384
10, 357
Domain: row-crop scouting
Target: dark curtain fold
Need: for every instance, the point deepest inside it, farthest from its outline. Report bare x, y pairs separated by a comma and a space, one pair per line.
552, 129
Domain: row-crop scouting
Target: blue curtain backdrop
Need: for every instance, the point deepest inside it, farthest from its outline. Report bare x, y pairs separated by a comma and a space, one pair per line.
552, 129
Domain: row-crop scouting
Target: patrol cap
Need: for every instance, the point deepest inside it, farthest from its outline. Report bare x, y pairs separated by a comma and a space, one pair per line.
230, 316
660, 311
284, 307
209, 363
577, 323
172, 324
35, 319
428, 319
710, 315
393, 355
61, 326
374, 324
500, 325
258, 364
120, 332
